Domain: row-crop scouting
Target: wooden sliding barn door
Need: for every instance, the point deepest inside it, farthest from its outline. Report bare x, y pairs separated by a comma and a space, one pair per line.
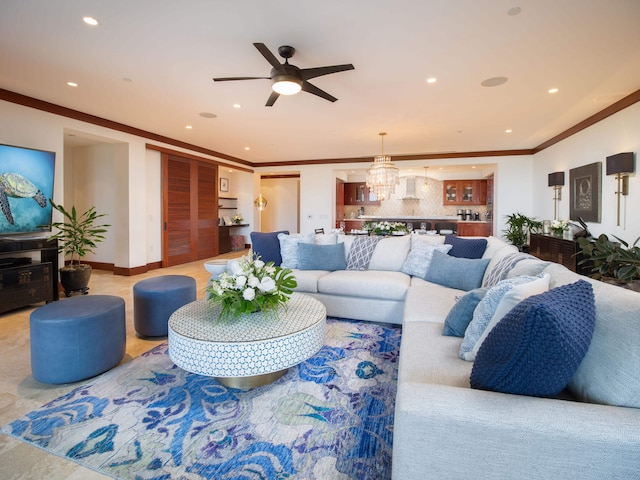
189, 210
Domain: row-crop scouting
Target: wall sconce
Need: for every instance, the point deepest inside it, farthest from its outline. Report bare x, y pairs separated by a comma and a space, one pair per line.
260, 202
556, 180
618, 165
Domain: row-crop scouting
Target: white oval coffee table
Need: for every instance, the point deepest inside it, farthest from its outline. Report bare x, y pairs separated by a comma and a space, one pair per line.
248, 351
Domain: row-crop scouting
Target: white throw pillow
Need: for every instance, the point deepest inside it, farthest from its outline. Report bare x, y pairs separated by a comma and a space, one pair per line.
510, 299
326, 239
390, 253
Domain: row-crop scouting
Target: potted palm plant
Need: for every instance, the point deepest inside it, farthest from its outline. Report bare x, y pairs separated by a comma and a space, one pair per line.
78, 236
518, 228
611, 261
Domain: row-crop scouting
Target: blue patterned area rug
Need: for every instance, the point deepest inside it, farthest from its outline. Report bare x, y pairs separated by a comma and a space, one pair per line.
330, 417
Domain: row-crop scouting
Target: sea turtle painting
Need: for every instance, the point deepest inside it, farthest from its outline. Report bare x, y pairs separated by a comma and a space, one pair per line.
15, 185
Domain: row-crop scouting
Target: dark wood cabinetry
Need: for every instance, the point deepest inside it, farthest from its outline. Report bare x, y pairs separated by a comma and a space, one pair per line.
464, 192
559, 250
28, 283
357, 193
474, 229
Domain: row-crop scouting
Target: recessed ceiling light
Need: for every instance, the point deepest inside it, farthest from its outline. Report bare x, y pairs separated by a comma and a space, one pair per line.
208, 115
473, 166
90, 21
432, 80
494, 81
237, 105
513, 11
188, 127
508, 130
553, 90
247, 148
126, 80
72, 84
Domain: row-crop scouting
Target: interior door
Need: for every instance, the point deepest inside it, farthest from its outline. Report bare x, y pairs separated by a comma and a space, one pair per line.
189, 210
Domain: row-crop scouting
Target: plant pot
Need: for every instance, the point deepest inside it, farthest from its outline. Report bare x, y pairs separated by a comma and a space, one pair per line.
75, 278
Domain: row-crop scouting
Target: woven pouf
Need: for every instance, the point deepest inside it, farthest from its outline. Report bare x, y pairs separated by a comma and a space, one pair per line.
155, 299
77, 338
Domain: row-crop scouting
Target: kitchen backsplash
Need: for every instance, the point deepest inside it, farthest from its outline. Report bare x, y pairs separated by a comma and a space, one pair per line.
428, 203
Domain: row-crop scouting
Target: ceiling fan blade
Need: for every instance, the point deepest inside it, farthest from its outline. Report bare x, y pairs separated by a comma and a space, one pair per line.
270, 57
309, 73
307, 87
272, 99
226, 79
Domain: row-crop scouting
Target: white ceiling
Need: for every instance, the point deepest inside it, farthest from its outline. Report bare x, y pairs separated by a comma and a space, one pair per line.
170, 50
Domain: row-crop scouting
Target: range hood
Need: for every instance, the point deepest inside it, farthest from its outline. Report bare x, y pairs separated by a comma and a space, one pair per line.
410, 188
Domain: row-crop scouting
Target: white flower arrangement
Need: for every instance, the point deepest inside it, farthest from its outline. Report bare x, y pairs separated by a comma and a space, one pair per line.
237, 219
559, 226
385, 228
251, 285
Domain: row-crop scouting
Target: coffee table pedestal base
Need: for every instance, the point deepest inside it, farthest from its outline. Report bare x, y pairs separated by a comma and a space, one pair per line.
252, 381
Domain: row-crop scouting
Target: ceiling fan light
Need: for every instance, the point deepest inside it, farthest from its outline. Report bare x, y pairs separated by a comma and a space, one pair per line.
286, 85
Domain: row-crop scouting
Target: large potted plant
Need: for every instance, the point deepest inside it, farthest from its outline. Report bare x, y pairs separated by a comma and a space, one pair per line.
77, 236
612, 261
518, 228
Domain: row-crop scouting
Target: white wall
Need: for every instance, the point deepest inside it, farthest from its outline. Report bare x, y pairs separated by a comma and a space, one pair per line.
520, 181
616, 134
283, 199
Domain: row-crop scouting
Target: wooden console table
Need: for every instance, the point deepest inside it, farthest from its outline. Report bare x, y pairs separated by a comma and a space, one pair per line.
559, 250
27, 283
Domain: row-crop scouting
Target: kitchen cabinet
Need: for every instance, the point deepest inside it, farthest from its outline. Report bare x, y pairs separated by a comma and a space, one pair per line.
464, 192
357, 193
474, 229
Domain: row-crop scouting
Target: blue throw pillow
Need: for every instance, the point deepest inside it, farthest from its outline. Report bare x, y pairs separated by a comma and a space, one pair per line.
461, 273
466, 247
461, 314
267, 246
537, 347
321, 257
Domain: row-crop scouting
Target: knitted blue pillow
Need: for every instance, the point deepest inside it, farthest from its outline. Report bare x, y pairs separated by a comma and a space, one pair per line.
267, 246
466, 247
537, 347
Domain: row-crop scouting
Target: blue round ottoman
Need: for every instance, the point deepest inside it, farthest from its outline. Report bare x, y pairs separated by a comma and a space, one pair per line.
77, 338
155, 299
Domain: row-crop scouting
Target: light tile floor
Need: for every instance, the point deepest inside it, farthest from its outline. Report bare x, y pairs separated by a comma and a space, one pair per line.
20, 393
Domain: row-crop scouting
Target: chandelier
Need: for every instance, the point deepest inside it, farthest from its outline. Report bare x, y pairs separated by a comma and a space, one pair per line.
425, 184
382, 176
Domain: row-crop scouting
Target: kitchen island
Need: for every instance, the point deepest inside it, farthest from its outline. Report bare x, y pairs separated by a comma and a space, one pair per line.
480, 228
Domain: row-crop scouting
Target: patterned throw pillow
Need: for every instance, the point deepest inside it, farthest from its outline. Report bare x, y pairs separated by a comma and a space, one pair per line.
361, 252
538, 346
419, 258
503, 267
484, 313
289, 248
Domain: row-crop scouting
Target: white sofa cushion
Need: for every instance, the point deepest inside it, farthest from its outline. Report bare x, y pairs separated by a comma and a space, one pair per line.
428, 302
390, 253
308, 280
365, 284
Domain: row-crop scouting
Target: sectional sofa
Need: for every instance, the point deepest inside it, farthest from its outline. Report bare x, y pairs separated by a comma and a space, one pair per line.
444, 428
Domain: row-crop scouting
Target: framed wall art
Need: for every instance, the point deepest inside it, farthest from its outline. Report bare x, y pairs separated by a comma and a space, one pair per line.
585, 185
224, 184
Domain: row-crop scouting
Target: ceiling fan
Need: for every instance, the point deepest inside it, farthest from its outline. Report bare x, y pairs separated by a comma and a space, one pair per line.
288, 79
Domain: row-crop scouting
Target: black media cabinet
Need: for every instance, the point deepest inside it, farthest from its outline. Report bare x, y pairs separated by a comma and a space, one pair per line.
22, 282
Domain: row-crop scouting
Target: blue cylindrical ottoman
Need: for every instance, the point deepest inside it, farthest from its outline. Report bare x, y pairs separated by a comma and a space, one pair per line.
77, 338
155, 299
